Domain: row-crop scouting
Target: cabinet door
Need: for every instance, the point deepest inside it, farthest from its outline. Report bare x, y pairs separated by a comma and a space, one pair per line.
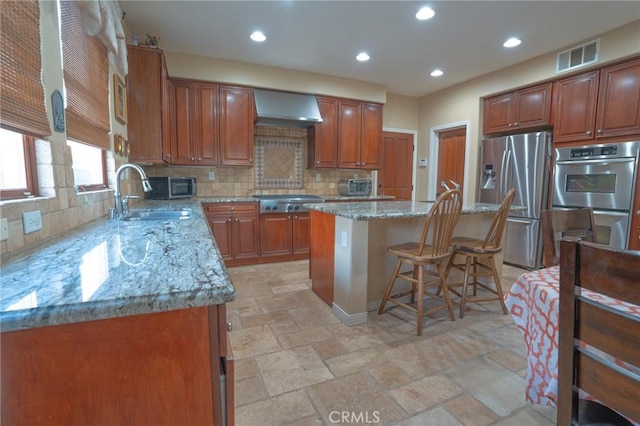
498, 113
371, 139
145, 85
221, 227
167, 87
349, 133
619, 100
245, 239
206, 124
180, 117
323, 137
533, 107
236, 126
301, 233
575, 107
275, 234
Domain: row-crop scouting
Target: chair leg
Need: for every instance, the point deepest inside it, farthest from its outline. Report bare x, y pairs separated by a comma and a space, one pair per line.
465, 286
450, 263
496, 279
475, 276
413, 284
445, 290
419, 308
392, 280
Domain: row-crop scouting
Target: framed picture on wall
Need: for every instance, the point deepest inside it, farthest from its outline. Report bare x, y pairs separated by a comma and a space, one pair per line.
120, 99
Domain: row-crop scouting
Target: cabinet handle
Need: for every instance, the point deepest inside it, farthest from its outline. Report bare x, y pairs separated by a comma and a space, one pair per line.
229, 220
199, 158
510, 125
588, 132
599, 131
229, 326
363, 164
251, 160
192, 158
515, 124
318, 162
288, 217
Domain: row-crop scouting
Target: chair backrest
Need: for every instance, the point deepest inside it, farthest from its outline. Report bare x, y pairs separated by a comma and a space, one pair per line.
567, 222
585, 323
440, 222
493, 240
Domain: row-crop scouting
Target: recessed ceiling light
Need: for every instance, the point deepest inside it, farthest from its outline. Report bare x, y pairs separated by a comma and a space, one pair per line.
436, 73
425, 13
512, 42
258, 36
362, 57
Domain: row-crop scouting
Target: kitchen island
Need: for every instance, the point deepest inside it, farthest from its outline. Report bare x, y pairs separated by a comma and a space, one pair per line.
349, 266
118, 322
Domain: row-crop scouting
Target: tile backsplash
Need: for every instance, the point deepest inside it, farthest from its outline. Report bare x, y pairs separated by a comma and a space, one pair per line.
280, 168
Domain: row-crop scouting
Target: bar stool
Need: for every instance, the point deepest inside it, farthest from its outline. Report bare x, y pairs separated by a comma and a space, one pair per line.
440, 222
475, 249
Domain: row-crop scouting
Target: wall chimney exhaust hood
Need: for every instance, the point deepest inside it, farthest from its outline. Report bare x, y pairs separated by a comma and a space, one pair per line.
286, 109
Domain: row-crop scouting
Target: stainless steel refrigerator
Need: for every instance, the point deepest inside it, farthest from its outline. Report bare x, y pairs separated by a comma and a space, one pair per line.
521, 162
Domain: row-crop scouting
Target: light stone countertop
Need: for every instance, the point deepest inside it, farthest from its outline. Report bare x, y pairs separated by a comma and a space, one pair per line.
114, 268
395, 209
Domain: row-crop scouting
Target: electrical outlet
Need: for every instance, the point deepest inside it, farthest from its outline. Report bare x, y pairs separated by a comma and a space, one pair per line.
32, 221
212, 175
4, 229
423, 162
318, 177
343, 238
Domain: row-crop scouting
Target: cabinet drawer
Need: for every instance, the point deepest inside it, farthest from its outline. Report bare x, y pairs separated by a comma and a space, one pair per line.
212, 208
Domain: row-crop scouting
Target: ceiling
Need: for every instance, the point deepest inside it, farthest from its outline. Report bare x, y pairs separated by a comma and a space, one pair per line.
464, 39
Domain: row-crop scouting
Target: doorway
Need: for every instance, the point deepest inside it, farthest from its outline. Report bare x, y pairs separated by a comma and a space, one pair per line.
396, 175
451, 158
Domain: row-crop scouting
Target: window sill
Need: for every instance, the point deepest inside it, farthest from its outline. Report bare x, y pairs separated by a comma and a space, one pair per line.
24, 200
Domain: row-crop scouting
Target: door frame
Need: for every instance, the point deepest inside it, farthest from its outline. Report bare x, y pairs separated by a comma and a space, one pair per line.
434, 142
414, 162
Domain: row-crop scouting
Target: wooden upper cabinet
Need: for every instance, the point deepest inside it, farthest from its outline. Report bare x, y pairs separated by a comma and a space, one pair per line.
206, 128
146, 104
359, 135
323, 137
598, 104
575, 107
520, 110
180, 116
236, 126
371, 149
619, 100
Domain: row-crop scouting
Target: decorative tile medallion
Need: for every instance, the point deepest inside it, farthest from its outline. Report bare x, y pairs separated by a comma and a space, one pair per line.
279, 162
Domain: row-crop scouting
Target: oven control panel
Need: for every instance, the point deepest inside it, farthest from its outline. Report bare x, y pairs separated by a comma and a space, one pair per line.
594, 151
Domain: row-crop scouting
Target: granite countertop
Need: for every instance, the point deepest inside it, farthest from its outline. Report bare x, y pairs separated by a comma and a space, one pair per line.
395, 209
114, 268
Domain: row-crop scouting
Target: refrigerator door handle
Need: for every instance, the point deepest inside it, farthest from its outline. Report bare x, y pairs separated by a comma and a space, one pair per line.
502, 173
506, 172
524, 222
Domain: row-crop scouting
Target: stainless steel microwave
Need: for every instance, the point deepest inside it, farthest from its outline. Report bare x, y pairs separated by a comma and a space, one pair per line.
168, 188
355, 187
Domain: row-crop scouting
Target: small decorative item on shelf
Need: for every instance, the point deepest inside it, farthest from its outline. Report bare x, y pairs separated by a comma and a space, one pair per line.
120, 145
134, 39
152, 40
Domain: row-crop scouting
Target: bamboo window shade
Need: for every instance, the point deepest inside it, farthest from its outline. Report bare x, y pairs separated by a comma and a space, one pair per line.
86, 77
22, 105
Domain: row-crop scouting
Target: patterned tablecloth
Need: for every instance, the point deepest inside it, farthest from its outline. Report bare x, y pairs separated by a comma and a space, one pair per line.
533, 303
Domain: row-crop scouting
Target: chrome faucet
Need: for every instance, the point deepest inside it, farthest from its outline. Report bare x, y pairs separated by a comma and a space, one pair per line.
146, 186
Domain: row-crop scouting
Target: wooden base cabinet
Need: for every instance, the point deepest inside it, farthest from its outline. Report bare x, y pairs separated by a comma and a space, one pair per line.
154, 369
236, 229
284, 236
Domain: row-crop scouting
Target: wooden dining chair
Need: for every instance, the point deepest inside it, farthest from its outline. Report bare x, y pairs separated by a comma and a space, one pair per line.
439, 224
598, 345
566, 222
479, 260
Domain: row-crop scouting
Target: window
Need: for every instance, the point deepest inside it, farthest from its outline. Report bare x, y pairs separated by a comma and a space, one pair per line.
88, 167
17, 166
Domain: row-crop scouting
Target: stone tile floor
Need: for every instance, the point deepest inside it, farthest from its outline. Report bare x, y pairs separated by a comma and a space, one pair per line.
297, 364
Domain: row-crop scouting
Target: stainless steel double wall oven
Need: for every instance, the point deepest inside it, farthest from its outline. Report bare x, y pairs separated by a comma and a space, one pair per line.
601, 177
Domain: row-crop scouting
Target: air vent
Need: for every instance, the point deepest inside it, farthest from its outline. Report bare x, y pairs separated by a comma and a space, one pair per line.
578, 56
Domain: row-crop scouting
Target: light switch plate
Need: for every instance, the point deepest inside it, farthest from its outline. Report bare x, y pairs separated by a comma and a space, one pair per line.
32, 221
4, 229
343, 239
212, 175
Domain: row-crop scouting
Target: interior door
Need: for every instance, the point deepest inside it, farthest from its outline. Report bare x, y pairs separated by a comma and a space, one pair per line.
396, 175
451, 157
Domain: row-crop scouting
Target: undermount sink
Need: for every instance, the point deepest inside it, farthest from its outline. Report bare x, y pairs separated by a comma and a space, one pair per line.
158, 215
